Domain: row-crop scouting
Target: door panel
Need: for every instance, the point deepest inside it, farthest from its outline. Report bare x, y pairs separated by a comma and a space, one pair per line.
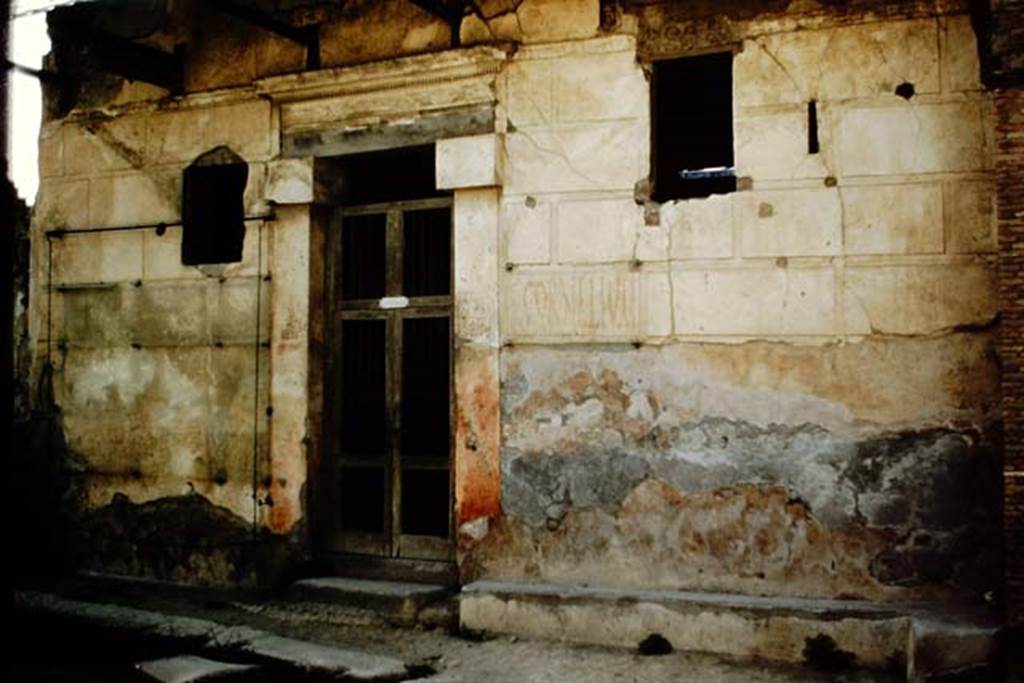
364, 414
426, 247
363, 253
425, 388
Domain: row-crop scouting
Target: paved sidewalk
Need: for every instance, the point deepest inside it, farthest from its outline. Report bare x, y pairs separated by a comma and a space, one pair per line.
84, 631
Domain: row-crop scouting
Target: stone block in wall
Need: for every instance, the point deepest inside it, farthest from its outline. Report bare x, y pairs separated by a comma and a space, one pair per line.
97, 257
61, 204
361, 109
571, 304
893, 219
755, 301
805, 222
652, 243
919, 298
181, 136
474, 30
526, 224
253, 199
290, 237
274, 54
598, 156
287, 445
700, 228
232, 307
477, 245
176, 136
912, 138
220, 51
970, 216
775, 146
531, 92
105, 145
597, 230
51, 150
184, 313
597, 87
291, 181
381, 30
852, 61
162, 256
133, 198
473, 161
960, 67
576, 86
655, 302
543, 21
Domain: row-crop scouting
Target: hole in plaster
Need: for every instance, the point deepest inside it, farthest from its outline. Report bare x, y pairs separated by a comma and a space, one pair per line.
822, 653
905, 90
812, 128
654, 644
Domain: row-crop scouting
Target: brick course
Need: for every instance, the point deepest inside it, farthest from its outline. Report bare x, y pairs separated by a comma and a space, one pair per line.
1009, 140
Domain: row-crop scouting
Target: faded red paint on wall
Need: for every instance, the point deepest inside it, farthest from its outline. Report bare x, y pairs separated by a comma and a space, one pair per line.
477, 436
282, 513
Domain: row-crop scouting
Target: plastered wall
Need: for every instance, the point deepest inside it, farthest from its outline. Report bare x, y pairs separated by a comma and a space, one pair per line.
790, 389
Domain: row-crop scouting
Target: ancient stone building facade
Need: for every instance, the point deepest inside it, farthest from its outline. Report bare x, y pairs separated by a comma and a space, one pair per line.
785, 386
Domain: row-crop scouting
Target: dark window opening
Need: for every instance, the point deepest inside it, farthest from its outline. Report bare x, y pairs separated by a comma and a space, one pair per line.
813, 146
691, 127
213, 208
386, 176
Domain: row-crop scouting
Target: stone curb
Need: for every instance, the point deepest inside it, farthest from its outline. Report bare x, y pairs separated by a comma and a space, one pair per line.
210, 636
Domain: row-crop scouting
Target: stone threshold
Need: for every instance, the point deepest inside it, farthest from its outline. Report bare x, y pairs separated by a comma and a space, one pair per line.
920, 641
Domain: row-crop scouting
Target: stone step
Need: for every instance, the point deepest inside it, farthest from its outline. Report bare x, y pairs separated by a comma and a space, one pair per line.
194, 669
396, 602
914, 641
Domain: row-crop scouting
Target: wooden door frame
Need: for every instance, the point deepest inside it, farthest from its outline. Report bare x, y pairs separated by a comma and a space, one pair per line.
391, 543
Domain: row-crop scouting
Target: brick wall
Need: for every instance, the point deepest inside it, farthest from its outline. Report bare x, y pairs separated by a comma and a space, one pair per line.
1010, 208
1004, 71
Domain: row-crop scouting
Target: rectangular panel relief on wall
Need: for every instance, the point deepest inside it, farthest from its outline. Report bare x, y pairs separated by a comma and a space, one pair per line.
592, 304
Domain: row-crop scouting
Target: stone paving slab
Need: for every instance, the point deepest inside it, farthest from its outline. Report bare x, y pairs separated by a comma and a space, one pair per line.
192, 669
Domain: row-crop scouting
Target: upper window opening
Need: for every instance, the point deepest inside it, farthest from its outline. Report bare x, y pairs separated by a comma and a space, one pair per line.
692, 154
213, 208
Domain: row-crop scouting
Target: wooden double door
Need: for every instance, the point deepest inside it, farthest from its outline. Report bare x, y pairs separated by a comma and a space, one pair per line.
389, 380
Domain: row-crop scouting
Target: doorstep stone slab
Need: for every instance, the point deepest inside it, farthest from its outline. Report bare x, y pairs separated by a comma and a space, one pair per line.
192, 669
400, 600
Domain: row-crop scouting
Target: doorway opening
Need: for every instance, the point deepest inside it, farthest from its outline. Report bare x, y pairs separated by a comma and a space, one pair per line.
387, 475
